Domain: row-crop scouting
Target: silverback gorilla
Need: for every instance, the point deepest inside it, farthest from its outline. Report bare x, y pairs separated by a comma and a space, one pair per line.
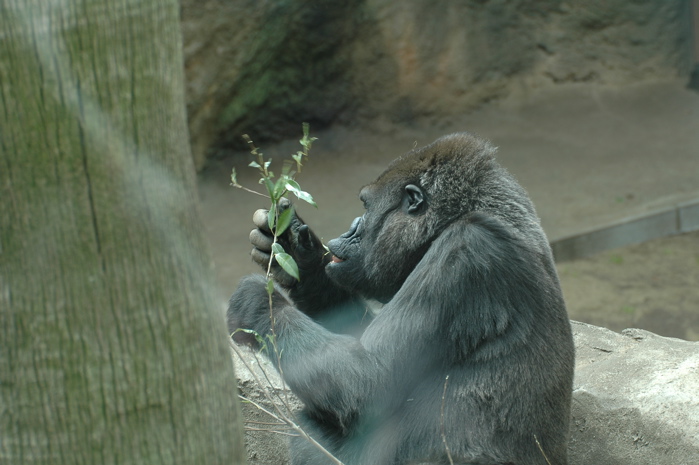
471, 357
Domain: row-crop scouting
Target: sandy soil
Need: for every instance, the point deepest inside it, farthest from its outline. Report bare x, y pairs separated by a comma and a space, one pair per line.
587, 155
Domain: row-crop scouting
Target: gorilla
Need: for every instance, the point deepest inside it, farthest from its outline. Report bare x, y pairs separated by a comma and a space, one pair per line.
469, 361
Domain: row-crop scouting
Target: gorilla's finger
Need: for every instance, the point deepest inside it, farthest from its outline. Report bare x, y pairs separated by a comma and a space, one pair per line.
260, 257
283, 204
305, 237
283, 278
259, 218
261, 240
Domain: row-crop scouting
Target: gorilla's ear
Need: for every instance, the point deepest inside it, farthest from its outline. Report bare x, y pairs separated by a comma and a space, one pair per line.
416, 198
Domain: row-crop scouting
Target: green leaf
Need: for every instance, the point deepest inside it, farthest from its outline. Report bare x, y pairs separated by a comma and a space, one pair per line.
294, 187
287, 168
306, 197
271, 216
254, 164
270, 286
279, 188
234, 177
307, 141
284, 220
272, 340
277, 248
288, 264
267, 163
270, 189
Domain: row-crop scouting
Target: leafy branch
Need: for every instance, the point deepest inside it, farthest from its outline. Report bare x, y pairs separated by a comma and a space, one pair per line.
278, 222
276, 190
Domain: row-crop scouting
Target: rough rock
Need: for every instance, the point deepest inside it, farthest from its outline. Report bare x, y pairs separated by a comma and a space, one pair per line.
264, 67
635, 400
258, 382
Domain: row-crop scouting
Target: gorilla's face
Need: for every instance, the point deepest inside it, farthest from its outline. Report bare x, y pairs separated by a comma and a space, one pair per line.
418, 196
382, 246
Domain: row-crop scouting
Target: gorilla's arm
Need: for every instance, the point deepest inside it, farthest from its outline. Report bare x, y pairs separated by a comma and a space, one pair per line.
474, 296
323, 368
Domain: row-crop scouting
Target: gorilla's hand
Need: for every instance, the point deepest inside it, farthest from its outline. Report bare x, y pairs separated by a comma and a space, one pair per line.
248, 310
298, 241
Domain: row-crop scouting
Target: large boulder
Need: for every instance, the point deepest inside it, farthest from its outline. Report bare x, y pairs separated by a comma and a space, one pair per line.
635, 400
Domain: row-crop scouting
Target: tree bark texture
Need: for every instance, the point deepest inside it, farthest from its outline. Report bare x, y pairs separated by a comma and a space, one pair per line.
112, 346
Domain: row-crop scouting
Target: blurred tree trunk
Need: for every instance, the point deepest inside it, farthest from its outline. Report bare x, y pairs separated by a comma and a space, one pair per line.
112, 346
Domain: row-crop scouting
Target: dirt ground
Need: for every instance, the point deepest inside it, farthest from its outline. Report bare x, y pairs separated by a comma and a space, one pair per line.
653, 286
588, 156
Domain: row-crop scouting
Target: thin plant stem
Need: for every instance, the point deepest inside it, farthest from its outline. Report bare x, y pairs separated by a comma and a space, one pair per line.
264, 430
271, 313
541, 449
239, 186
267, 423
441, 421
285, 400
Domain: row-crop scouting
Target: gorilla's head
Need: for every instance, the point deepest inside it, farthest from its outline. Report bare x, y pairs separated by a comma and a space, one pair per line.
413, 201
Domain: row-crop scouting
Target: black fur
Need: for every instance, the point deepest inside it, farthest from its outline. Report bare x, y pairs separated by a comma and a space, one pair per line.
453, 246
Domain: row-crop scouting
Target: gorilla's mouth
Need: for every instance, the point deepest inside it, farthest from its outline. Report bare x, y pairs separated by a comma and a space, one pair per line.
334, 258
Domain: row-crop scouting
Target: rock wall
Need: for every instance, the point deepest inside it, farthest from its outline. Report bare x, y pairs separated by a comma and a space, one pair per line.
263, 67
635, 401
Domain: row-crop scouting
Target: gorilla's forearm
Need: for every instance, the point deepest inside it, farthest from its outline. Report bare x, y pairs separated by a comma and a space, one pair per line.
319, 365
332, 374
